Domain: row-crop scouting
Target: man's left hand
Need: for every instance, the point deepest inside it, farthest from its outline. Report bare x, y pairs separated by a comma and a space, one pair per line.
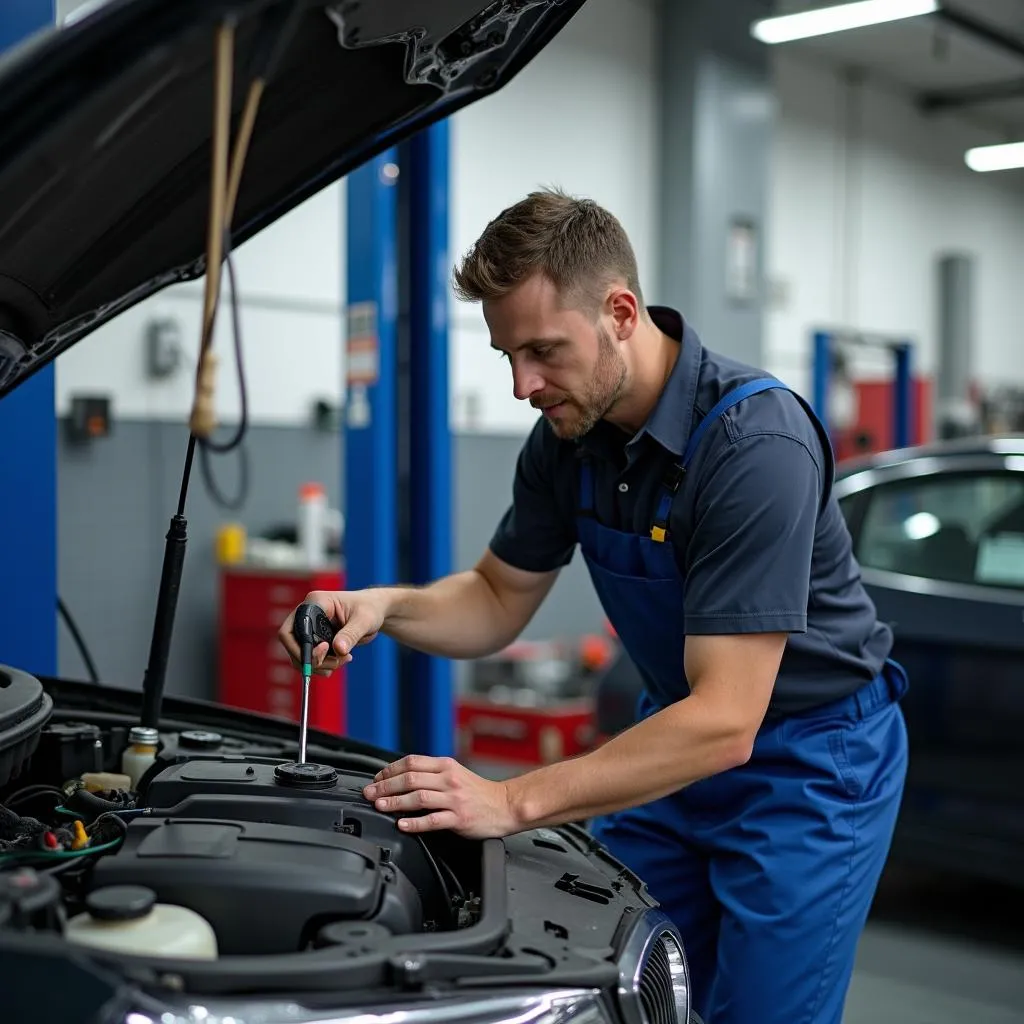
453, 797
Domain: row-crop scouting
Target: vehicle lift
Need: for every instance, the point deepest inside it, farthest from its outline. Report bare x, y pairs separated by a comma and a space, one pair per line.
901, 351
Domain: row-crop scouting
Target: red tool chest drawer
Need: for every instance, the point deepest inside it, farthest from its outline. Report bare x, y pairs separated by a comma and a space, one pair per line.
528, 737
254, 670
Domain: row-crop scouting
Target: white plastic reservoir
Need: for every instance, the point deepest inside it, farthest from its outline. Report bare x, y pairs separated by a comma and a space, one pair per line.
128, 919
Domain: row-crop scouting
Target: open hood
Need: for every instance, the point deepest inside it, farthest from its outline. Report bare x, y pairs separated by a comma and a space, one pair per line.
106, 125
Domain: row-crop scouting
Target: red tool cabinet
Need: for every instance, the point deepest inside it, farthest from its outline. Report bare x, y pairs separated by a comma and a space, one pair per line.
526, 737
255, 673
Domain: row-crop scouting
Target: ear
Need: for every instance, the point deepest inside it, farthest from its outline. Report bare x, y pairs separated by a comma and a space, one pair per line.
624, 308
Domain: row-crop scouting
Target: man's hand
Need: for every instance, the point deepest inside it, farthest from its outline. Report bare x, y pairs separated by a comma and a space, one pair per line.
360, 614
455, 798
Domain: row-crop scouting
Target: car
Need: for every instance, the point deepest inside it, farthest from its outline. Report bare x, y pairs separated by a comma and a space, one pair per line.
169, 859
938, 531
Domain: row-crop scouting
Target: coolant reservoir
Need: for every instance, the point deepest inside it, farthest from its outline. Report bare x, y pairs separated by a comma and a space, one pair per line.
128, 919
140, 753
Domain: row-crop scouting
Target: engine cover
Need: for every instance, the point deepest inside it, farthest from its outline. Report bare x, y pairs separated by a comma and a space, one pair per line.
268, 865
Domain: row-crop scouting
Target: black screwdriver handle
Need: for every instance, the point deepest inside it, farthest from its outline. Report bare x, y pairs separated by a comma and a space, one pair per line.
312, 625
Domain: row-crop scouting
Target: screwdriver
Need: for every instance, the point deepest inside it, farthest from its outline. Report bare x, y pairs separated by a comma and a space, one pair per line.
311, 627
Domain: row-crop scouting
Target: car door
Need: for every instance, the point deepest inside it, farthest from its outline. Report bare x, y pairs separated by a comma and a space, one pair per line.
941, 546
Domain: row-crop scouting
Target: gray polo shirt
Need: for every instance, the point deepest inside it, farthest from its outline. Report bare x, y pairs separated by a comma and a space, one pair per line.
756, 531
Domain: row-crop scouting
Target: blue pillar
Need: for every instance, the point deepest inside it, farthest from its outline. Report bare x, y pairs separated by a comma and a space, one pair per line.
430, 472
903, 397
371, 514
822, 372
28, 472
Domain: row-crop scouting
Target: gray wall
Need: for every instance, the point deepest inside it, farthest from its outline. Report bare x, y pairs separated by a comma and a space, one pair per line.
116, 498
716, 137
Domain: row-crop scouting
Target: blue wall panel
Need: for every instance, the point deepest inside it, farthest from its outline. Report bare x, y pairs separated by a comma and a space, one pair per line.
371, 514
28, 472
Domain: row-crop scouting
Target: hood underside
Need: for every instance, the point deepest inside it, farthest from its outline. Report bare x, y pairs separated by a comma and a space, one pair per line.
106, 127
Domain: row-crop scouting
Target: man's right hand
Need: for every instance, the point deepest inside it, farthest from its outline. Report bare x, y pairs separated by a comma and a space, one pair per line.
360, 616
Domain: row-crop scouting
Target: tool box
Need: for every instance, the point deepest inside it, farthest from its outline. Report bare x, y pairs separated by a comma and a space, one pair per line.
491, 734
255, 673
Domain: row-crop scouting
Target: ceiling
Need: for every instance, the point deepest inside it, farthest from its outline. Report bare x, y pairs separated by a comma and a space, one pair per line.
969, 58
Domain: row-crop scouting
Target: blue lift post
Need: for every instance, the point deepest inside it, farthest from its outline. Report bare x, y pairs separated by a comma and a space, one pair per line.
28, 471
430, 471
370, 502
903, 382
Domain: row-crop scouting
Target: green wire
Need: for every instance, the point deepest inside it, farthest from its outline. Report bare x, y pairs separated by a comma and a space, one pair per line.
57, 854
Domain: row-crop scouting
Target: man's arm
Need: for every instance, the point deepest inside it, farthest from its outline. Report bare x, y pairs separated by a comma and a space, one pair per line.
748, 577
466, 615
711, 731
470, 614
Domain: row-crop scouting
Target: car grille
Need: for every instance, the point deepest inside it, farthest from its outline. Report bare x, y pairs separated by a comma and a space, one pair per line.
657, 992
654, 986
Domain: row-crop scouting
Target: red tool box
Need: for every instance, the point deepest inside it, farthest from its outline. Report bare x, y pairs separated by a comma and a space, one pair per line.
255, 672
523, 736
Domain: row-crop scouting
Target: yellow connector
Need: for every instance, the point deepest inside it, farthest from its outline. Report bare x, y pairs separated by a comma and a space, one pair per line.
658, 533
81, 840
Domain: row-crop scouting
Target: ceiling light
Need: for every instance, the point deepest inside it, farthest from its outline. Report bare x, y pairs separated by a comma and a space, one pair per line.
823, 20
995, 158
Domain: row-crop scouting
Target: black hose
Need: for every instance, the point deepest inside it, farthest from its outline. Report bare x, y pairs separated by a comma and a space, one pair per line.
76, 635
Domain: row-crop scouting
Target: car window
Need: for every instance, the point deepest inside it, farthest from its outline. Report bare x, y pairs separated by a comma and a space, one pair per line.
960, 528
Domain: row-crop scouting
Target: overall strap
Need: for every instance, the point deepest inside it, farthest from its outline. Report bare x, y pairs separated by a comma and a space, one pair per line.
659, 528
727, 401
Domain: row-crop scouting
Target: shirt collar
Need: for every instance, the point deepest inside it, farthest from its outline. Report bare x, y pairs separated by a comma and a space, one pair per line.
670, 419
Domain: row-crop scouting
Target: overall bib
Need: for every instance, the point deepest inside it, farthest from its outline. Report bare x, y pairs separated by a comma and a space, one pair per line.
768, 869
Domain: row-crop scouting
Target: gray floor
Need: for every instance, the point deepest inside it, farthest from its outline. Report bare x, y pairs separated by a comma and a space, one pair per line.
940, 949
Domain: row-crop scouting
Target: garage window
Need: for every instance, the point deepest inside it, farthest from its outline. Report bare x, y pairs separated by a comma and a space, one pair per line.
958, 528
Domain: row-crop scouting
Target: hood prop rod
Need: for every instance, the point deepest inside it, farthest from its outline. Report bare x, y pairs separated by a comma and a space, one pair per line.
225, 180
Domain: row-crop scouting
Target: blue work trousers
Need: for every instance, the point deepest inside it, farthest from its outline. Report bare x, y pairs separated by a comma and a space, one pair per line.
769, 869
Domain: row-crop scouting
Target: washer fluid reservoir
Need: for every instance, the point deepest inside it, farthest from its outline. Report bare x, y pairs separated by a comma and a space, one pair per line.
128, 919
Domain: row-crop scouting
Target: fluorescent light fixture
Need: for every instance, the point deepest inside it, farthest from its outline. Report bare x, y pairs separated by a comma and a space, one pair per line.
995, 158
823, 20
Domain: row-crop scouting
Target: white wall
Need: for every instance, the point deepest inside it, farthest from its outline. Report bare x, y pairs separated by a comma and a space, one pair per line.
582, 116
291, 284
859, 216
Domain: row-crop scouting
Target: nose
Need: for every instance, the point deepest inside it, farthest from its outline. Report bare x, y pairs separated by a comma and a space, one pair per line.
525, 381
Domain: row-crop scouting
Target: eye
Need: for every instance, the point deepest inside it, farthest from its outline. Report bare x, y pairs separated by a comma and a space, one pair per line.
543, 351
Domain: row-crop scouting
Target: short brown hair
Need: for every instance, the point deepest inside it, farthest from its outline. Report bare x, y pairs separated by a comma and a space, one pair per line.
577, 244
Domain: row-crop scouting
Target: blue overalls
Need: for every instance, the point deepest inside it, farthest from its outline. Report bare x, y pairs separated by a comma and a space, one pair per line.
768, 869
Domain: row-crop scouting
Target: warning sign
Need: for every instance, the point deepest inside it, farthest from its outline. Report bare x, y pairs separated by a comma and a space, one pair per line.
363, 362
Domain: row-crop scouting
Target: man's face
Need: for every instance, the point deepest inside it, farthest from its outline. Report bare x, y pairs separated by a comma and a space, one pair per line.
562, 362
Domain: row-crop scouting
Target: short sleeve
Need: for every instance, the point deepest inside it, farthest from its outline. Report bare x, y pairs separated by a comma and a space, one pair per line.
536, 533
748, 559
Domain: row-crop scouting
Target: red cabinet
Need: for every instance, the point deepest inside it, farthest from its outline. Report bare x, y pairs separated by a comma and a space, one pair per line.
255, 673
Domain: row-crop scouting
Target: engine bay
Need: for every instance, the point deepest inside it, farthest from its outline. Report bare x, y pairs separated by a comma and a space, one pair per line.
223, 867
271, 857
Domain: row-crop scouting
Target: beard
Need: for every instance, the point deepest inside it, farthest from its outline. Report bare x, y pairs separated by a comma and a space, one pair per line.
581, 413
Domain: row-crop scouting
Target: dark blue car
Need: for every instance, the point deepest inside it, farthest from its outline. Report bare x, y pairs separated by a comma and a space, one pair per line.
939, 534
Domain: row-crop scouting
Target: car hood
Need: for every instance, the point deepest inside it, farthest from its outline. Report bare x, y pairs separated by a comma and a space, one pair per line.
106, 126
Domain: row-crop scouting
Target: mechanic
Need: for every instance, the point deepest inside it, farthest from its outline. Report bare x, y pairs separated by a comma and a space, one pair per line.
757, 792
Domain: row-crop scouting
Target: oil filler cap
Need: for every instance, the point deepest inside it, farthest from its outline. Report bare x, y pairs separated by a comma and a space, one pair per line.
306, 775
120, 902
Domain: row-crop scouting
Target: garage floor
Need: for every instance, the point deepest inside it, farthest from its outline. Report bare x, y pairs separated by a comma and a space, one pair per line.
939, 950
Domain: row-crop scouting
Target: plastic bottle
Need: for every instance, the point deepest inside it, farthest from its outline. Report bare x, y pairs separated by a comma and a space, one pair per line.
312, 524
128, 919
140, 753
